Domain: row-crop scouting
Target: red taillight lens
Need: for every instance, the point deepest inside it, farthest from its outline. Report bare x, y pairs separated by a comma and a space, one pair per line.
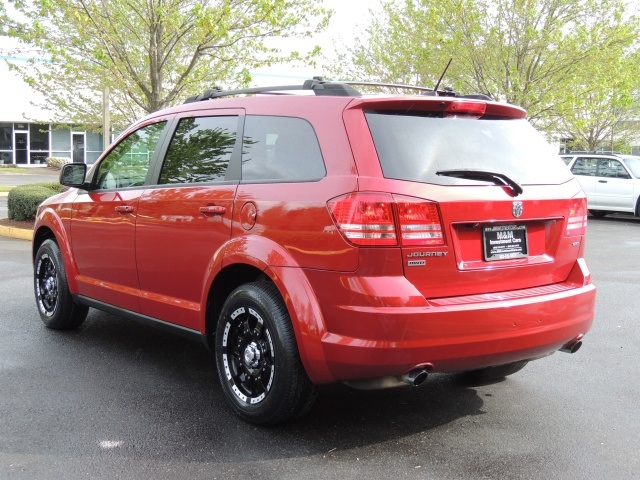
370, 219
467, 109
419, 222
365, 218
577, 221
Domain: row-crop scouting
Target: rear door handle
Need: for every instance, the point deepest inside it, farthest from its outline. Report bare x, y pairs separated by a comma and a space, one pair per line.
213, 210
602, 181
124, 209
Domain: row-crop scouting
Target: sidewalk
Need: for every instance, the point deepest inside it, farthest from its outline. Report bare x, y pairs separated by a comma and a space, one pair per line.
13, 178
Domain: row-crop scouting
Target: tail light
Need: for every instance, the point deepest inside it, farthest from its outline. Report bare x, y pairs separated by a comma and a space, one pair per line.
379, 219
577, 221
365, 218
419, 222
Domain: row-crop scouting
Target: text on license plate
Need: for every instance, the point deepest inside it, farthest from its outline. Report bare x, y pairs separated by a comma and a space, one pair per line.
502, 242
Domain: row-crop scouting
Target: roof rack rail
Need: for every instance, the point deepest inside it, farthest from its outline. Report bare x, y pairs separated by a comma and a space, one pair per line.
426, 90
320, 86
595, 152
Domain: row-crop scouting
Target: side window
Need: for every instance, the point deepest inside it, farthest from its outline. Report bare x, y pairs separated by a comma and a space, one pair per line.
128, 163
200, 150
611, 169
585, 166
280, 149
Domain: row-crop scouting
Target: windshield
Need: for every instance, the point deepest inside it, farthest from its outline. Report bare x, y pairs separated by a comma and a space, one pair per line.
634, 165
415, 147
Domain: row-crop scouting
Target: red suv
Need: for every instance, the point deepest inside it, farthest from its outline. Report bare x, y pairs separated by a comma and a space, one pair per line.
326, 237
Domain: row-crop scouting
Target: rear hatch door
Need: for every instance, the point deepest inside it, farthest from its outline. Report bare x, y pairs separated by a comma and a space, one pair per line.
511, 215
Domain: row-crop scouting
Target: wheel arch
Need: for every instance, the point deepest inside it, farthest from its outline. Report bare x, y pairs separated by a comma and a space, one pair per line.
241, 262
50, 226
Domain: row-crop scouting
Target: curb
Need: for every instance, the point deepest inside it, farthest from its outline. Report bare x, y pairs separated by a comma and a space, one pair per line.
19, 233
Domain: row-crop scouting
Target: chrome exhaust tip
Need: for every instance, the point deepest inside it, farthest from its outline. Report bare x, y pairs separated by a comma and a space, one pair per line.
415, 377
573, 346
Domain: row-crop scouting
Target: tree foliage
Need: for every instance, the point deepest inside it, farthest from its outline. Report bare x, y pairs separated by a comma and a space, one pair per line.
150, 53
561, 60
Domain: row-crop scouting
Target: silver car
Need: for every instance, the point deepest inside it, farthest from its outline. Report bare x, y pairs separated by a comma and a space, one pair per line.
611, 181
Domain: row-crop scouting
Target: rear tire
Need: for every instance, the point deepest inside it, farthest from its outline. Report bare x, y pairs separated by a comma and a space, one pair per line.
492, 374
599, 213
55, 304
257, 357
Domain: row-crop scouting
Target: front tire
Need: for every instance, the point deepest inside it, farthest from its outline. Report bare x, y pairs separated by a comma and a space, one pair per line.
257, 357
55, 304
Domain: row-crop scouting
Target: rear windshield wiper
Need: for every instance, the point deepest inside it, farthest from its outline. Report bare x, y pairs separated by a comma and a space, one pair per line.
497, 178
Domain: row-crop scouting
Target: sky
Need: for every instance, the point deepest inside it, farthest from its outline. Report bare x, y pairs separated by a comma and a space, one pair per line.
349, 18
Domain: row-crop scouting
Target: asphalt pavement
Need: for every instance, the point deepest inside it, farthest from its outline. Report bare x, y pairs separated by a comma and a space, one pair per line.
10, 177
115, 399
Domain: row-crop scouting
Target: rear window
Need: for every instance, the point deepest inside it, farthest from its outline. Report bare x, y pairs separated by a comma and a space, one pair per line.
415, 147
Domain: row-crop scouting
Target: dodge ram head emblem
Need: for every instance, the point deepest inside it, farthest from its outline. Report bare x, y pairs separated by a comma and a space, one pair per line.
517, 209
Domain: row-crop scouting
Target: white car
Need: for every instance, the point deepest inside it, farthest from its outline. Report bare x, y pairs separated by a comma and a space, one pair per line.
611, 181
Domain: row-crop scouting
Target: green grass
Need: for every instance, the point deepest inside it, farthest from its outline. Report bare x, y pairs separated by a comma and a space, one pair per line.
4, 189
8, 169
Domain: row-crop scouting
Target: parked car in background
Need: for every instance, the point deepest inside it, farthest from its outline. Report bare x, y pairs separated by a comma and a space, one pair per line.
327, 237
611, 181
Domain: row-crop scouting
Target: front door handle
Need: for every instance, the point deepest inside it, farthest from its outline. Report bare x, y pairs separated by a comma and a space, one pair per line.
213, 210
124, 209
602, 181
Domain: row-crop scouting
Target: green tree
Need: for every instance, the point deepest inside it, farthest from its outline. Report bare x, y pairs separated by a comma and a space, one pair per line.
533, 53
603, 110
150, 53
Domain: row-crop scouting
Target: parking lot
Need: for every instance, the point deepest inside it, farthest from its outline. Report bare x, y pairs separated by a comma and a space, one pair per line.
119, 400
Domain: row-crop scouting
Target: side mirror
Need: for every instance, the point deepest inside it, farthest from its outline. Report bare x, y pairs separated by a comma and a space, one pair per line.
72, 174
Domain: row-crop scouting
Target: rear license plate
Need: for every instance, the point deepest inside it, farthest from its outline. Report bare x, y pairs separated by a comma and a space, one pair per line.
502, 242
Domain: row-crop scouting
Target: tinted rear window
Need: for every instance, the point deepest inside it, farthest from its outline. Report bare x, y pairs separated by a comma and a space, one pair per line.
280, 149
414, 148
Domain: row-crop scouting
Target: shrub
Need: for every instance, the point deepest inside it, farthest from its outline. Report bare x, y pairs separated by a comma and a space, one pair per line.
23, 201
57, 162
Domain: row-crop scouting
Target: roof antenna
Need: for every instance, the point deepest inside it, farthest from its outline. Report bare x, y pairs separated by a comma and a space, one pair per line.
435, 89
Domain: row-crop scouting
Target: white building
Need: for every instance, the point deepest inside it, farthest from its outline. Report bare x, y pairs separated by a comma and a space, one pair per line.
29, 134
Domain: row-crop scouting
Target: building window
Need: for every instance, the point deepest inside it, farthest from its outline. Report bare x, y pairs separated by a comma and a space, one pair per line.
60, 142
6, 136
39, 143
93, 147
6, 143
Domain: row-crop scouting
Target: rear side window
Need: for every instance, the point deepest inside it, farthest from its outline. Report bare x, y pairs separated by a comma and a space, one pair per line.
415, 147
280, 149
200, 150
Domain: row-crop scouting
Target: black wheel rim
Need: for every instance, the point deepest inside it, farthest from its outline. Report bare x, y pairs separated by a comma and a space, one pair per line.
248, 356
47, 285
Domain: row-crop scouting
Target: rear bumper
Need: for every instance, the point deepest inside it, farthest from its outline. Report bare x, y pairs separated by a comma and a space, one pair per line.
454, 334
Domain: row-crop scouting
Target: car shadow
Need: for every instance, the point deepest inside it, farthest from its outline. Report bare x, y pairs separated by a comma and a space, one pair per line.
138, 385
616, 217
